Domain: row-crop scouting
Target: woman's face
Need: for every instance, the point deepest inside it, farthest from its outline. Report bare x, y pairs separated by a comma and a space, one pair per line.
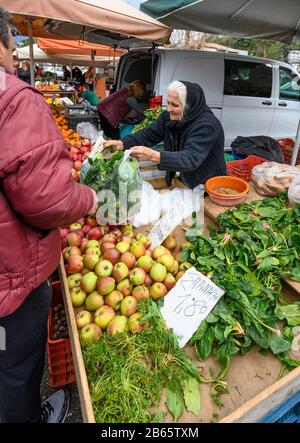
174, 106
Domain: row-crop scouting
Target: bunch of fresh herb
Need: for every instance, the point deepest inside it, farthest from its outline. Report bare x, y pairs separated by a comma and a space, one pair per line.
127, 373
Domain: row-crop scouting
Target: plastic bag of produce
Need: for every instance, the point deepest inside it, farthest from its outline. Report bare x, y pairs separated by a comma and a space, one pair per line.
118, 183
294, 190
271, 178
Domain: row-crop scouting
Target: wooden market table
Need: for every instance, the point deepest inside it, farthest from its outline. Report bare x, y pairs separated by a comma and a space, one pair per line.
254, 390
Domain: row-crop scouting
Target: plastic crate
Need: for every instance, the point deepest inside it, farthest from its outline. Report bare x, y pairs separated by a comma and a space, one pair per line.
60, 361
243, 168
287, 412
73, 120
287, 145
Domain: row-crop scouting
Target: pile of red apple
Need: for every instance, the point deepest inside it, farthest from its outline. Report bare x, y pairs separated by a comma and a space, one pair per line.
109, 270
78, 153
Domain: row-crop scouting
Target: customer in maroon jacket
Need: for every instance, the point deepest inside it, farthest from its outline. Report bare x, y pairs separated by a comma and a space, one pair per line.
37, 195
114, 108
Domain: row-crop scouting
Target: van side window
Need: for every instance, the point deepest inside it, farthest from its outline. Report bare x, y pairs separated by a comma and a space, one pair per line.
289, 84
247, 78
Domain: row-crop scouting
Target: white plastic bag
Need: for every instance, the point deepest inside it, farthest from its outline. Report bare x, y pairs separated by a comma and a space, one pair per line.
87, 130
294, 190
271, 178
150, 206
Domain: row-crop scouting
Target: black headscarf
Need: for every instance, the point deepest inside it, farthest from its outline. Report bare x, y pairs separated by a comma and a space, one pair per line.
195, 105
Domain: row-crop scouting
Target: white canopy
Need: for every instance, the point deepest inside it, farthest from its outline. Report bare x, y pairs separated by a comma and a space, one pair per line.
65, 59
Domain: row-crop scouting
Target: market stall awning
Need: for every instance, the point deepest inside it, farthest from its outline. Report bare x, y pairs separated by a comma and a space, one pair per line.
41, 56
77, 47
99, 21
266, 19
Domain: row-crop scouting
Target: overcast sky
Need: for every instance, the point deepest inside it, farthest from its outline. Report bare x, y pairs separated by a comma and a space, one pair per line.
135, 3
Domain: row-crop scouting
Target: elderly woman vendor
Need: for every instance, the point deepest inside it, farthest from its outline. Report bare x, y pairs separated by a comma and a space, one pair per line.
193, 137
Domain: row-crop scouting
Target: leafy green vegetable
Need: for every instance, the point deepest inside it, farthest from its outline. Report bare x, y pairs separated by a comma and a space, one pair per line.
191, 395
150, 116
257, 244
120, 178
290, 312
128, 373
175, 401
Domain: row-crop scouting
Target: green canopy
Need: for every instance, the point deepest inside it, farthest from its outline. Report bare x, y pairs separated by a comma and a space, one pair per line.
266, 19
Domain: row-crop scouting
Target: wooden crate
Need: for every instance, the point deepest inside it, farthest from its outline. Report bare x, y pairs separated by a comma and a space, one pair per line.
254, 389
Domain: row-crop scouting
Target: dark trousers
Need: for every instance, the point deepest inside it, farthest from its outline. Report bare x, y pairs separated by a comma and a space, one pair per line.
22, 361
108, 130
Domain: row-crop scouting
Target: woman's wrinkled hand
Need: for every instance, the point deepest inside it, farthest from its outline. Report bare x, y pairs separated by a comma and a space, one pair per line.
145, 154
118, 144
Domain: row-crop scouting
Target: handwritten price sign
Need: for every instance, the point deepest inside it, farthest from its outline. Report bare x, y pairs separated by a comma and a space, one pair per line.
188, 303
166, 224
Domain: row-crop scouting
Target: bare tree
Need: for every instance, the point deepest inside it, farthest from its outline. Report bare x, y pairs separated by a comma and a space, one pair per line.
188, 39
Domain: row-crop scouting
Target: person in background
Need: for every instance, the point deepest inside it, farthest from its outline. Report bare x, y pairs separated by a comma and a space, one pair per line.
89, 96
77, 75
37, 195
193, 137
38, 71
67, 73
89, 77
114, 108
24, 72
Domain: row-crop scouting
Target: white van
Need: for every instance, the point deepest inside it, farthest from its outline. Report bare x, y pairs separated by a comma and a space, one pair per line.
250, 95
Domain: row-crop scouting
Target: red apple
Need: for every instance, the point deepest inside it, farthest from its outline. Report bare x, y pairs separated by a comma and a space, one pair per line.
92, 221
83, 318
86, 228
105, 245
113, 299
73, 239
140, 292
112, 255
75, 264
138, 249
158, 290
120, 271
95, 234
90, 334
104, 315
128, 306
105, 285
64, 232
137, 276
118, 325
125, 286
129, 259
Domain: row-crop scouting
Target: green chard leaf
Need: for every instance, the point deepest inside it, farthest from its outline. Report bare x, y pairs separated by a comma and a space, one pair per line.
191, 395
278, 344
204, 346
290, 312
175, 401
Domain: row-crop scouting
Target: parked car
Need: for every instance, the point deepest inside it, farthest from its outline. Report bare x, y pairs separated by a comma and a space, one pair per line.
250, 95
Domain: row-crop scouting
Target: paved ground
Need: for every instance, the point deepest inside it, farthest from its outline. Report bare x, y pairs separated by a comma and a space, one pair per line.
74, 415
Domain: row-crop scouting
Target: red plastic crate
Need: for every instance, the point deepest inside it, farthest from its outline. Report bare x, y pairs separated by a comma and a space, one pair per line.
243, 168
60, 361
287, 145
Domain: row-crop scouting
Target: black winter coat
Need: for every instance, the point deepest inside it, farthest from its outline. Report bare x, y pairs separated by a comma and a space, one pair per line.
194, 146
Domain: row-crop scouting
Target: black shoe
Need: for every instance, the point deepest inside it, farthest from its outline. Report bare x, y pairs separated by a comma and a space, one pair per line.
55, 408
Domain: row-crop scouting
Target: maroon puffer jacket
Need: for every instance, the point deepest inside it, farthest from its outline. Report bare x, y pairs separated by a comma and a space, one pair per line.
37, 191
